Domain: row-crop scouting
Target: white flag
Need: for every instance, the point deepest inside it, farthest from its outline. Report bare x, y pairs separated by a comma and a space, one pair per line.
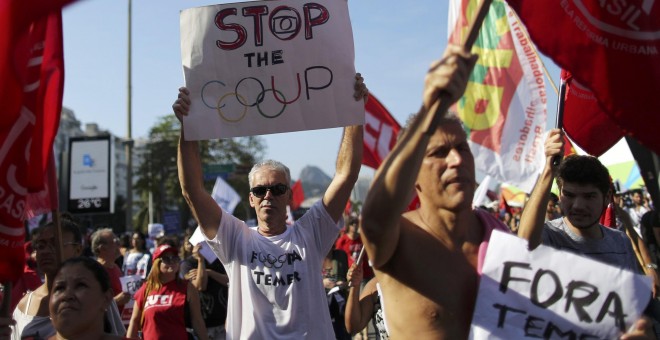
225, 195
480, 193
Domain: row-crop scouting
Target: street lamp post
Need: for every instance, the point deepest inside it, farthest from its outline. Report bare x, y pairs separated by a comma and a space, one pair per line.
129, 134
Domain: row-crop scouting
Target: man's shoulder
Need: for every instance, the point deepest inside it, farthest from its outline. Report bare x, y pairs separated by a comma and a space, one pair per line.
488, 221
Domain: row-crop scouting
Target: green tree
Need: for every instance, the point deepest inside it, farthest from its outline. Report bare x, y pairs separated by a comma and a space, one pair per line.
157, 171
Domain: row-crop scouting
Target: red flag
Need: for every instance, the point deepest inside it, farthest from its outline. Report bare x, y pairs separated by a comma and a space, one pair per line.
46, 200
612, 48
298, 195
608, 217
380, 133
584, 120
31, 70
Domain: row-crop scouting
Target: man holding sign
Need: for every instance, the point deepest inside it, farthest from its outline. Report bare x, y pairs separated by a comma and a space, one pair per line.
584, 186
275, 288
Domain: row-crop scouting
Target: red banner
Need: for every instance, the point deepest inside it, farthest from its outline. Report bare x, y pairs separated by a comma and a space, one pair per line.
298, 195
585, 122
612, 48
380, 133
32, 72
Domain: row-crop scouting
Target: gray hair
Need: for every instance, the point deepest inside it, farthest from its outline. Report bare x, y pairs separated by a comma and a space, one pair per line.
97, 239
449, 117
271, 165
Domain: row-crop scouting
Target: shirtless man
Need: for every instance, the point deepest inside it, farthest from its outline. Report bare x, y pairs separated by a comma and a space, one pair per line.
427, 260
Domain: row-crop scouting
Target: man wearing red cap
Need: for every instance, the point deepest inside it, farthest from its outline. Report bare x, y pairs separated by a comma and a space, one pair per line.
275, 287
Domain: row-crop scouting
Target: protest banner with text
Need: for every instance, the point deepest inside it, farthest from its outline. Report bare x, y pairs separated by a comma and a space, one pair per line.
267, 67
549, 293
504, 105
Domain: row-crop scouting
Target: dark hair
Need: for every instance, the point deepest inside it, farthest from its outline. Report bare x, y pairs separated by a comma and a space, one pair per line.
100, 274
67, 225
582, 169
554, 198
143, 238
650, 220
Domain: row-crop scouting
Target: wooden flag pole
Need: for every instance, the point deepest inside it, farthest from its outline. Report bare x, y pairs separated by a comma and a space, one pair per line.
441, 106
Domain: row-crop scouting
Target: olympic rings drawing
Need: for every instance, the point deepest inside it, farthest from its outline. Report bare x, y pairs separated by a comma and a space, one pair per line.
204, 87
260, 99
239, 84
223, 116
277, 94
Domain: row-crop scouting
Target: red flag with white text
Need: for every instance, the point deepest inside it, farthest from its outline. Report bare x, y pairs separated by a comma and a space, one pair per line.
585, 122
610, 47
380, 133
32, 73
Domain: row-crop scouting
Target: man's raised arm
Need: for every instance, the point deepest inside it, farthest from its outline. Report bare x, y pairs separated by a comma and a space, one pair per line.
392, 188
348, 165
533, 215
204, 208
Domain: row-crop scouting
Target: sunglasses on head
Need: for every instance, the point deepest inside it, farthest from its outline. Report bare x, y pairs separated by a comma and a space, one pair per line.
276, 190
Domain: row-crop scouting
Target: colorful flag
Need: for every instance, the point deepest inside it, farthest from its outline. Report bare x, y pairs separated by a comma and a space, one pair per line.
32, 73
297, 195
584, 120
504, 106
504, 206
612, 48
380, 133
226, 197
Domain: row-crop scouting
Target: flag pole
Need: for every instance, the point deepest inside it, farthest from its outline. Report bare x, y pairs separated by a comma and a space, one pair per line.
441, 106
559, 121
55, 207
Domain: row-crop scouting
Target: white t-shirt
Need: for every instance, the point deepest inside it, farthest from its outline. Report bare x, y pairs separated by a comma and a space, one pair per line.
275, 285
137, 264
636, 217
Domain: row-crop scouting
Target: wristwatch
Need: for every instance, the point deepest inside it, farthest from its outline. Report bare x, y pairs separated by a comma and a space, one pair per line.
651, 265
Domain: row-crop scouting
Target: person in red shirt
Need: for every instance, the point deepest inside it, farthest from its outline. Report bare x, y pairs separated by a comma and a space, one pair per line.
105, 246
30, 279
163, 301
351, 243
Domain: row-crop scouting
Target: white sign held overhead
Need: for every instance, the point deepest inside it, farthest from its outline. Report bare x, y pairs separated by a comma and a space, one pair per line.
197, 238
548, 293
265, 67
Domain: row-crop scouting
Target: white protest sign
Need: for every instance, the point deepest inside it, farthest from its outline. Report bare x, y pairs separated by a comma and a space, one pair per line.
130, 283
196, 238
548, 293
268, 66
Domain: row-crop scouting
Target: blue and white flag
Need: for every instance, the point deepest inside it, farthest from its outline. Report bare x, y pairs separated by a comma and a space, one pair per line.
226, 197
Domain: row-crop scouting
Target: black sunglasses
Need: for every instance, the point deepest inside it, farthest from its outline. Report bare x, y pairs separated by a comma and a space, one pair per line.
276, 190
